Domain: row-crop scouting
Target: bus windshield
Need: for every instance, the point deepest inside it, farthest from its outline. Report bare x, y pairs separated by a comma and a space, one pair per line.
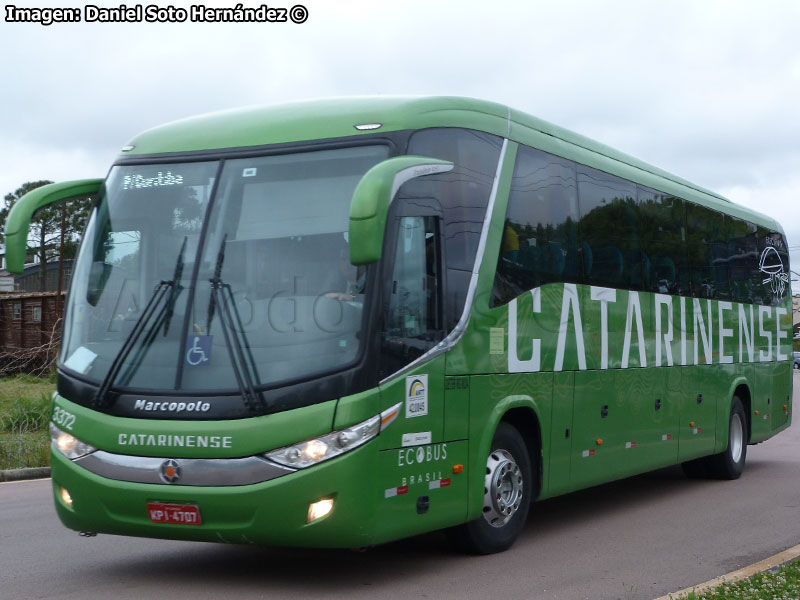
187, 269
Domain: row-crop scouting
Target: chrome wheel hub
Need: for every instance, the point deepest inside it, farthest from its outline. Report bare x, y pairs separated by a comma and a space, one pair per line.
737, 438
502, 488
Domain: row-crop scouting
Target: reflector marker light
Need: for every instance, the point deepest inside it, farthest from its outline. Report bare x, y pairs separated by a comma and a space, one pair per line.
630, 445
666, 437
697, 430
439, 483
389, 415
587, 453
766, 417
395, 491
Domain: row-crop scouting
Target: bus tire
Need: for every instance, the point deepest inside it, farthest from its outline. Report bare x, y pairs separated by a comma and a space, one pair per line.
508, 491
730, 463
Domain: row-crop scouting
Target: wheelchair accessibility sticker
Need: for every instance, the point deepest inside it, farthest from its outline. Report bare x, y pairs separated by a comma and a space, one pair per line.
198, 350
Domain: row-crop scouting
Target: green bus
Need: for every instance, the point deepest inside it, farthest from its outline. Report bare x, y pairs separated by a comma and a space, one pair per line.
340, 323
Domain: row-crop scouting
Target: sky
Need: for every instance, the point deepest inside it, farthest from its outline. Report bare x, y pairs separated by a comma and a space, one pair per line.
705, 89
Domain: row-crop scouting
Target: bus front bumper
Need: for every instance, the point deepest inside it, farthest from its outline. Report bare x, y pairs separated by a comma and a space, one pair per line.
274, 512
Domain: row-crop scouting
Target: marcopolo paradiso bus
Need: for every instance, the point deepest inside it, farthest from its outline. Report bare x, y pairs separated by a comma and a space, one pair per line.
340, 323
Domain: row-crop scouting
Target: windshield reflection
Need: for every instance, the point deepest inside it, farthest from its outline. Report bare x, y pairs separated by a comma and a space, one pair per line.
272, 297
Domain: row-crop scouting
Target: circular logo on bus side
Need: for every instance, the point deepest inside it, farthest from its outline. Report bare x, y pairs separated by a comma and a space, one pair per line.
170, 471
771, 265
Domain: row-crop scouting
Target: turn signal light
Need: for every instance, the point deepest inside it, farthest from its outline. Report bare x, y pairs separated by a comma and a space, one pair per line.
458, 469
756, 412
691, 423
599, 442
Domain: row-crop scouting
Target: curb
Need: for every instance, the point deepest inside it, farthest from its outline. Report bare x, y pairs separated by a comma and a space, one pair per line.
767, 564
23, 474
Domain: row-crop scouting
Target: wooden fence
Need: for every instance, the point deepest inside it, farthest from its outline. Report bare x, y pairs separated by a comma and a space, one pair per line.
30, 330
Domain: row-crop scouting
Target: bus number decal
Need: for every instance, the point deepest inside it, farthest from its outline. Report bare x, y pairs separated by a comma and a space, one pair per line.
63, 418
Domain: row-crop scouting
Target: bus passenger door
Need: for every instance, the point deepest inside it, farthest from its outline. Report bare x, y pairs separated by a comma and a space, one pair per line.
412, 291
412, 325
417, 484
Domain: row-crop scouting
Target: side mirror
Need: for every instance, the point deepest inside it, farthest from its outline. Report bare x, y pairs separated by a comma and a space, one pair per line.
372, 197
98, 276
19, 219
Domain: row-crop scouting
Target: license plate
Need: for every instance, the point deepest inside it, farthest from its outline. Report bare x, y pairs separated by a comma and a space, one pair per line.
174, 514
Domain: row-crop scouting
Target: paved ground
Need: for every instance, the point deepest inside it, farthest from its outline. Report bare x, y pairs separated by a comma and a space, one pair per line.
635, 539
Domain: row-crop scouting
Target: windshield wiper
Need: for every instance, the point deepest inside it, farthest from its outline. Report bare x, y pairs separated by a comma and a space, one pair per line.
177, 288
242, 361
164, 316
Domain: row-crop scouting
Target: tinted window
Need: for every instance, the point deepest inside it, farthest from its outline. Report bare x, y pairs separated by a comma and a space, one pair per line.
662, 232
708, 252
463, 194
609, 230
772, 275
742, 259
539, 242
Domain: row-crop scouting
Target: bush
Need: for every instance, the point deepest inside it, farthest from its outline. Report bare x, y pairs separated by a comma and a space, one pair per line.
21, 450
24, 419
26, 415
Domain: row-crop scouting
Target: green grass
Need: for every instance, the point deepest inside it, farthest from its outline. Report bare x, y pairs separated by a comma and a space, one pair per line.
24, 416
782, 583
22, 450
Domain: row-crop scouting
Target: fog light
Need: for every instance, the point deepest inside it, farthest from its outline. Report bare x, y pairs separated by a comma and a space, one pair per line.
65, 497
319, 509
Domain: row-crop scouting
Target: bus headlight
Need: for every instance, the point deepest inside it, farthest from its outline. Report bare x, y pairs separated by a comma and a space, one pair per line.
314, 451
68, 444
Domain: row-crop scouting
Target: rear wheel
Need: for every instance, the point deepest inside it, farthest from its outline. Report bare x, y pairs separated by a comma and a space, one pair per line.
730, 463
508, 488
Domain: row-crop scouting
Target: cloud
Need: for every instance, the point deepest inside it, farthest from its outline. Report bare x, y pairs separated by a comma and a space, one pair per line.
706, 90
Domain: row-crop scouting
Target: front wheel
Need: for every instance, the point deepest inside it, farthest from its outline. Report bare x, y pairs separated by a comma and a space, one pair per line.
508, 488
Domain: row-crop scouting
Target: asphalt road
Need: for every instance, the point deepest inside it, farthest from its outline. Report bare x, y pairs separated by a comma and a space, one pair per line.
638, 538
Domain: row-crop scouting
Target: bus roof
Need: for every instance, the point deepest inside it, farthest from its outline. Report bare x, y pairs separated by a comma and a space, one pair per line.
336, 118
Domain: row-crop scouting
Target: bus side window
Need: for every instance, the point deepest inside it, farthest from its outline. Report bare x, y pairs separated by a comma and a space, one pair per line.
708, 252
742, 254
540, 241
771, 270
663, 233
609, 225
463, 195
